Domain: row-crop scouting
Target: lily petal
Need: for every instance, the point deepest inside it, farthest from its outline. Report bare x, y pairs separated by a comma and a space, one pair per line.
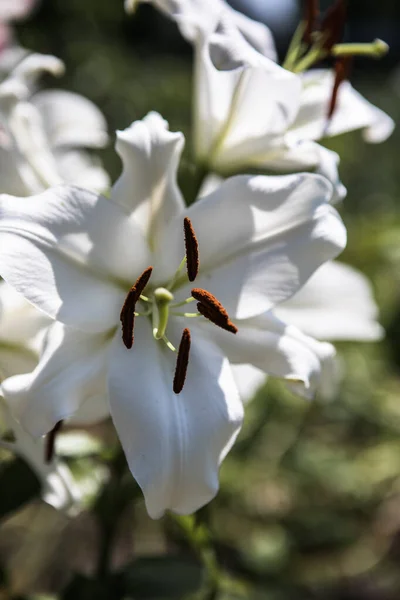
335, 304
80, 168
248, 380
71, 370
70, 119
20, 323
260, 239
67, 251
352, 111
193, 16
239, 111
147, 187
278, 349
173, 443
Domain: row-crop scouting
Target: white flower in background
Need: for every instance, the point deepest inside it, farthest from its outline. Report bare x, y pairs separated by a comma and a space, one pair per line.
22, 329
249, 112
13, 10
192, 15
10, 51
43, 135
76, 255
336, 304
58, 486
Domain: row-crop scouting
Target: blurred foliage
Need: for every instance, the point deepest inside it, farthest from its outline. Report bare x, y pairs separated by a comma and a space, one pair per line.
309, 506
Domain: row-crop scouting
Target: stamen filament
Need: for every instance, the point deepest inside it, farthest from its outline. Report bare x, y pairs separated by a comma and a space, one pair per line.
185, 314
296, 47
182, 362
145, 298
50, 442
187, 301
171, 284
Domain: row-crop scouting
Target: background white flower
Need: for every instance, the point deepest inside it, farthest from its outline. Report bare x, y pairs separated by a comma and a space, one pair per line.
43, 135
251, 113
193, 16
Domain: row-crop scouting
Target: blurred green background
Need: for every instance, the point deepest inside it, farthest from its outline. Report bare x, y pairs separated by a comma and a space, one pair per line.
309, 506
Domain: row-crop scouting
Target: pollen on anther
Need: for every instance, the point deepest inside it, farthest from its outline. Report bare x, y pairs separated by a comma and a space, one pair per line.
50, 442
212, 309
192, 250
127, 316
217, 318
182, 361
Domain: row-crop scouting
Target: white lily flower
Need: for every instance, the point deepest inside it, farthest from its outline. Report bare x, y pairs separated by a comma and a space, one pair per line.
75, 255
58, 486
22, 329
251, 113
43, 135
11, 10
336, 304
194, 15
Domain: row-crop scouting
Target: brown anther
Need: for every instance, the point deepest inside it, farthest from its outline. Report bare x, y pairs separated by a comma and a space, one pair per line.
50, 442
127, 316
182, 362
142, 281
342, 71
333, 24
216, 318
311, 15
212, 309
192, 250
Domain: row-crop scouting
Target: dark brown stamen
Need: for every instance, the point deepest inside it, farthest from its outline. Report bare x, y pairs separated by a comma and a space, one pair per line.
342, 70
209, 301
192, 250
311, 18
50, 442
127, 316
216, 318
142, 281
182, 362
333, 24
212, 309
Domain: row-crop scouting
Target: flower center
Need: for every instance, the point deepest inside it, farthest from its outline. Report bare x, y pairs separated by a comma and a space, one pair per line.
159, 305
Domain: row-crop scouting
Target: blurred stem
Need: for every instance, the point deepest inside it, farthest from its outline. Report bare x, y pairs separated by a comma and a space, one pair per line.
117, 493
199, 175
197, 533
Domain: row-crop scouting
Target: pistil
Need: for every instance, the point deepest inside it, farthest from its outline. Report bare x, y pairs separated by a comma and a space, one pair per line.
162, 300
